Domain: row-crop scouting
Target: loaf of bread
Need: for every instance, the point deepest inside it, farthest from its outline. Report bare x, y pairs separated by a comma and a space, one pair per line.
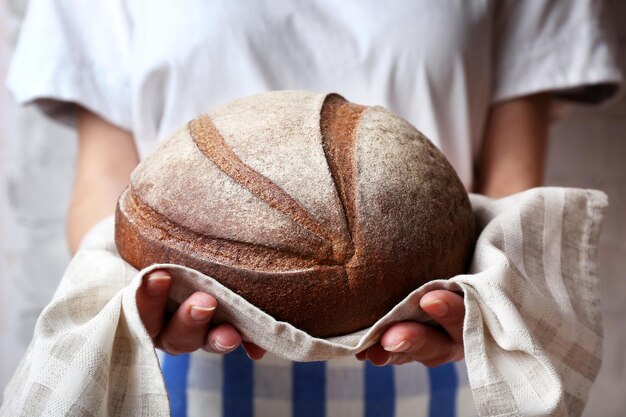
323, 213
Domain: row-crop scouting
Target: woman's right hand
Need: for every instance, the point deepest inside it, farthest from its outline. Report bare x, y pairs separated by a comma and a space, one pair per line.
106, 157
189, 328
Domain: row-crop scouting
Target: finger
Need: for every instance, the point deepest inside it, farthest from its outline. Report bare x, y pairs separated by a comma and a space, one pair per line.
378, 356
362, 355
254, 352
425, 344
400, 359
447, 309
152, 299
223, 338
188, 327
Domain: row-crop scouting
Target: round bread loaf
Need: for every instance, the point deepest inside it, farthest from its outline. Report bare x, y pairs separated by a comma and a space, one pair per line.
323, 213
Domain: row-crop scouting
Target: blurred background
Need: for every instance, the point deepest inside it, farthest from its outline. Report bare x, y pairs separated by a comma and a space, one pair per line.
587, 149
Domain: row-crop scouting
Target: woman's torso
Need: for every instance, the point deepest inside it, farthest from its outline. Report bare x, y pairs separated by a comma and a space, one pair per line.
430, 61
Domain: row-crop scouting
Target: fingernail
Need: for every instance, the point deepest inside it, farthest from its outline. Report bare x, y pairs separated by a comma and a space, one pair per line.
221, 348
157, 284
400, 347
387, 361
251, 358
199, 313
437, 308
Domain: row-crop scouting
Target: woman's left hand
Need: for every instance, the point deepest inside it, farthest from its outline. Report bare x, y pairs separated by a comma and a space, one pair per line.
412, 341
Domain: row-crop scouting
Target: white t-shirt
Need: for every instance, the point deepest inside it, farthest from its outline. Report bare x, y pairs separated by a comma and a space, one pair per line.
148, 66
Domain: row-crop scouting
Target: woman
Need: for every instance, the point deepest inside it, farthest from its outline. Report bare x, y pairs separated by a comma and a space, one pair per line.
477, 78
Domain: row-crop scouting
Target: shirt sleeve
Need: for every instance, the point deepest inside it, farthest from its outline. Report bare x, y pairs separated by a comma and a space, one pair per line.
563, 46
74, 52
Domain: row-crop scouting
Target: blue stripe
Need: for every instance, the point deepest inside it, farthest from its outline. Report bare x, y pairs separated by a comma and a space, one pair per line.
238, 384
443, 387
309, 389
175, 370
380, 391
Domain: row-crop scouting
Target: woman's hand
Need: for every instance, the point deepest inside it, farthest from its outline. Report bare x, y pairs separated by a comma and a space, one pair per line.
411, 341
190, 327
512, 158
106, 157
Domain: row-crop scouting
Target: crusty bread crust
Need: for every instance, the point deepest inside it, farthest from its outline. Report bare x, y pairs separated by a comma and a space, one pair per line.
398, 214
312, 297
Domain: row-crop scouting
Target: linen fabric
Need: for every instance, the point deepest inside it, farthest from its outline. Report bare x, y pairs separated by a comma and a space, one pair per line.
532, 331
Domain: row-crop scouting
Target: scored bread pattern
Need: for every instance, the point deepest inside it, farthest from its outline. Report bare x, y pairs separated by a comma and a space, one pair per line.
221, 251
338, 121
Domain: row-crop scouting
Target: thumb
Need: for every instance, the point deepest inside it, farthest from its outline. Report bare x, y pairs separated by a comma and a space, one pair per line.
447, 309
152, 300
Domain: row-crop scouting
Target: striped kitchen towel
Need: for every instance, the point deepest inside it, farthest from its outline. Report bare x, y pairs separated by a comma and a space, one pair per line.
532, 330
